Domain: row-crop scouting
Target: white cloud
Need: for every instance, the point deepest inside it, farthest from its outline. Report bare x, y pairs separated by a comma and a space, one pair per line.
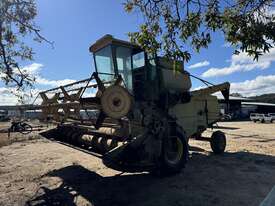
8, 95
35, 68
242, 63
32, 69
257, 86
53, 83
199, 64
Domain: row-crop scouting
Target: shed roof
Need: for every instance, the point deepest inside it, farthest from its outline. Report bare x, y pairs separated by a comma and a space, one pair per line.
258, 104
235, 98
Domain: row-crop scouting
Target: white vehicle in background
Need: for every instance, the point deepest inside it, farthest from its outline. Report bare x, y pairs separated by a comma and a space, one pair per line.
261, 117
267, 118
255, 117
272, 116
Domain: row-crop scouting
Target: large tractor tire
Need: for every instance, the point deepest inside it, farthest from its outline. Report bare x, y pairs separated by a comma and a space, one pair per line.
174, 154
218, 142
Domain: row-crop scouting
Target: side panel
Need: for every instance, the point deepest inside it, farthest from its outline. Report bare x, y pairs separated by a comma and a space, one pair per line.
198, 114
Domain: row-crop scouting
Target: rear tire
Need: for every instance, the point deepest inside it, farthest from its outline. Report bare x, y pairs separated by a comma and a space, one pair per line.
218, 142
174, 154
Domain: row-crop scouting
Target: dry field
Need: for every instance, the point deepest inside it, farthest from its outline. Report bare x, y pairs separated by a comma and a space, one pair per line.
36, 171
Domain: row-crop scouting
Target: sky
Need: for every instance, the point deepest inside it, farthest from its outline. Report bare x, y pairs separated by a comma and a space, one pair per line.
74, 25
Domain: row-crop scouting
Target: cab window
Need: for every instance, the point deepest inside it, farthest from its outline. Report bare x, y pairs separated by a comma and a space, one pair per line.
123, 60
138, 60
104, 63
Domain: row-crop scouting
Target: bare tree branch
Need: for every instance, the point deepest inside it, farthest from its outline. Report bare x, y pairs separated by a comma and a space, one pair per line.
17, 21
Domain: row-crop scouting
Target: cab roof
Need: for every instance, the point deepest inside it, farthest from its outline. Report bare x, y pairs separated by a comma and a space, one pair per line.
109, 39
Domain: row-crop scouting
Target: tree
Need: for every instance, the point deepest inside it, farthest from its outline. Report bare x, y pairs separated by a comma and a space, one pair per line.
17, 22
172, 26
236, 94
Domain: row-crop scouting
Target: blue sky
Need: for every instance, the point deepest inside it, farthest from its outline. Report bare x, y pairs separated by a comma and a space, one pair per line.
75, 25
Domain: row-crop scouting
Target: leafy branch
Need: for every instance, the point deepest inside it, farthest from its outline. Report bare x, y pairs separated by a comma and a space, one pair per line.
173, 26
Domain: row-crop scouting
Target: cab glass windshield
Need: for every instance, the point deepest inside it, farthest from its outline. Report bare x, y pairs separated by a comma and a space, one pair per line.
125, 59
124, 65
104, 63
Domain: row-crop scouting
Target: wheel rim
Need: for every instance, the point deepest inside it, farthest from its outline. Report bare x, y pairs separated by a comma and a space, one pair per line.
173, 150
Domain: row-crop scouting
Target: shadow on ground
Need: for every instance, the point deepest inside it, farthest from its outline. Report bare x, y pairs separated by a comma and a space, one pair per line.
240, 178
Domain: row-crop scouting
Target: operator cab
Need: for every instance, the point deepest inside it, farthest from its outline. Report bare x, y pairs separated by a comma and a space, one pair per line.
144, 76
115, 57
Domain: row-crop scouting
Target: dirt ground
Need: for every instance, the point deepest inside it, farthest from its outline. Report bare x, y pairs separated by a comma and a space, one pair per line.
36, 171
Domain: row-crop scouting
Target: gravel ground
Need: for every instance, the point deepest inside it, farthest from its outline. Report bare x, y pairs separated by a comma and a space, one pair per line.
36, 171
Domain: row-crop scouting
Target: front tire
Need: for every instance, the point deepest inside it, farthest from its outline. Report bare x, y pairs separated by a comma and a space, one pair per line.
218, 142
174, 154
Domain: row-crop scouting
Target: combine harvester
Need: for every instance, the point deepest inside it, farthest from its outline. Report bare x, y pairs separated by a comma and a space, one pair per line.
142, 114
